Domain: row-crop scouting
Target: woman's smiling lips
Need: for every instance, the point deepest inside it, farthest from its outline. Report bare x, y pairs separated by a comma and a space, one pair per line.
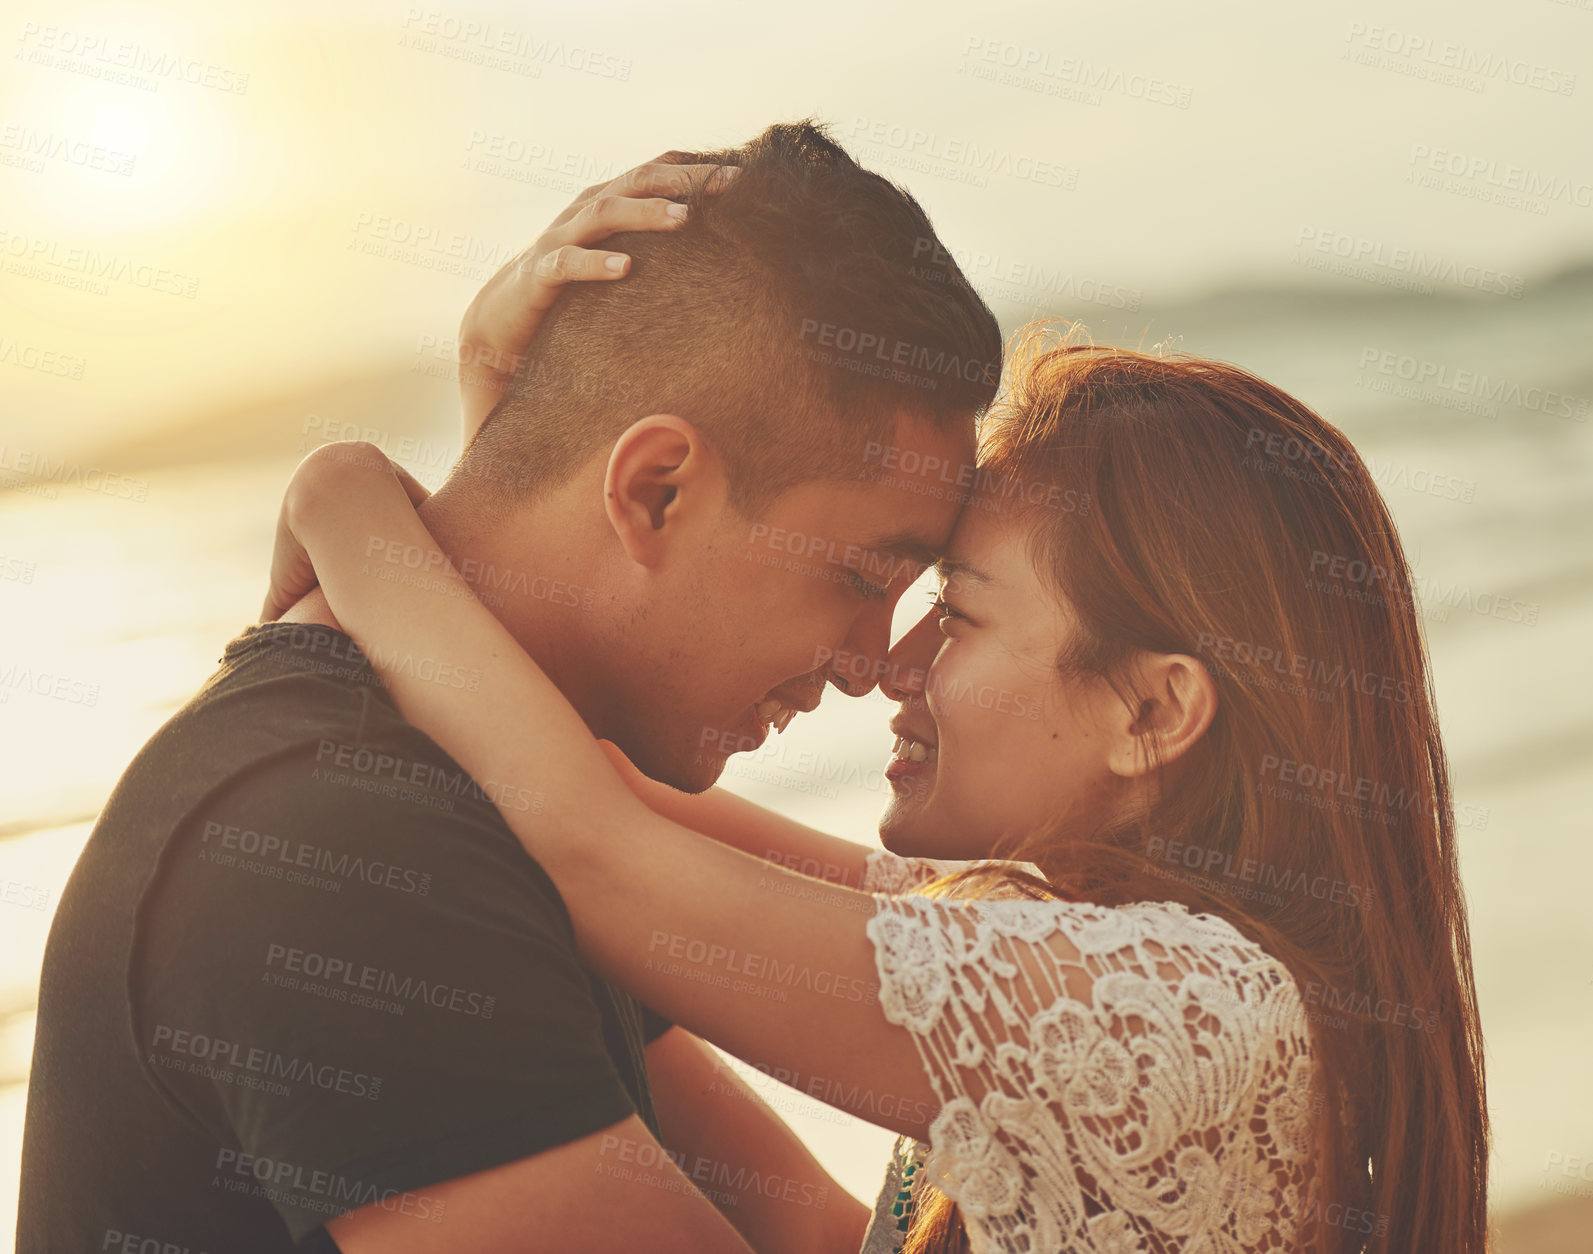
913, 756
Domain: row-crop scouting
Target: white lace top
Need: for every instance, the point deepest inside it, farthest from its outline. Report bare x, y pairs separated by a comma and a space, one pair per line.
1131, 1080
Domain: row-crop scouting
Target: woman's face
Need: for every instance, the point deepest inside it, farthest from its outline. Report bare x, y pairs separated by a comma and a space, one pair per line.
991, 738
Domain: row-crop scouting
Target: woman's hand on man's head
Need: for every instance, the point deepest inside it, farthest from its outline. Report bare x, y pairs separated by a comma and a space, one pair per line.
502, 319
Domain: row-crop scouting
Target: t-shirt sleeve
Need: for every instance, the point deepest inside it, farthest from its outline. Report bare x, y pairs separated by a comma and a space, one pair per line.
1108, 1078
654, 1025
361, 990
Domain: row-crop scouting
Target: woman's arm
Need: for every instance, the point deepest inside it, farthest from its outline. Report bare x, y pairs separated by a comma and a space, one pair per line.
754, 958
758, 830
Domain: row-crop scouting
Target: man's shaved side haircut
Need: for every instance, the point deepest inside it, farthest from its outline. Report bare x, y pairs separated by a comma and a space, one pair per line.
791, 319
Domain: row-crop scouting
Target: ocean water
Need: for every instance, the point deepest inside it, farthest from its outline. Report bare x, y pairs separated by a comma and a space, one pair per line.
125, 598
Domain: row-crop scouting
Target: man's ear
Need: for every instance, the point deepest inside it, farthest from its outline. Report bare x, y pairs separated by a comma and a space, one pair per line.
662, 480
1178, 702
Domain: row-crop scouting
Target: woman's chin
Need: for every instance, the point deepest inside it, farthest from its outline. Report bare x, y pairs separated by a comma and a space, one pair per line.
908, 829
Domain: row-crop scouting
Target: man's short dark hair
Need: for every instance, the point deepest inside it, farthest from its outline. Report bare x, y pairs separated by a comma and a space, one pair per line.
791, 319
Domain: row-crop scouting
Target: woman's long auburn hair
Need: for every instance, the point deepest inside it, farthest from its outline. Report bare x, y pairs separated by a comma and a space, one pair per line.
1216, 516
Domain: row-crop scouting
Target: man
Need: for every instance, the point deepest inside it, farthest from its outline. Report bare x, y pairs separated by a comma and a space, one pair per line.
305, 986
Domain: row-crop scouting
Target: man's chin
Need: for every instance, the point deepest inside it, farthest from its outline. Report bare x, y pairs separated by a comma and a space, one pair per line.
697, 771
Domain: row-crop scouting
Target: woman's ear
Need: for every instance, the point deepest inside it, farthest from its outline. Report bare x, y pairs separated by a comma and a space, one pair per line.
1177, 703
662, 480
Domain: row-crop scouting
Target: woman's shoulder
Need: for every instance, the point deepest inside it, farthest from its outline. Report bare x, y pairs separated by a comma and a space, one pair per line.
998, 965
1056, 1032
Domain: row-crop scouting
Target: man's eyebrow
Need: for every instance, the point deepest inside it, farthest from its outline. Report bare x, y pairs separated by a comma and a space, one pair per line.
905, 544
946, 567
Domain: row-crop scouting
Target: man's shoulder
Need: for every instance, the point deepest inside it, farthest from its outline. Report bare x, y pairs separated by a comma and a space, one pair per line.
293, 795
296, 719
344, 814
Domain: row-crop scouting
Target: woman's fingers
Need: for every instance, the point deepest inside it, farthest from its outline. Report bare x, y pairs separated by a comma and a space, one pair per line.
571, 264
608, 215
656, 178
561, 256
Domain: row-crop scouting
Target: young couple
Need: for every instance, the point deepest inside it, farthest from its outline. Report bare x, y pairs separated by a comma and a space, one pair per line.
380, 946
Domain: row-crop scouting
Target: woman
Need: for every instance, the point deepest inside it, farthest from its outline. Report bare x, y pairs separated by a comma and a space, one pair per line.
1227, 1007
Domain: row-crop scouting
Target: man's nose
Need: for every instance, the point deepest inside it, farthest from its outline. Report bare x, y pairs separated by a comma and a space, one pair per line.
867, 660
861, 662
907, 665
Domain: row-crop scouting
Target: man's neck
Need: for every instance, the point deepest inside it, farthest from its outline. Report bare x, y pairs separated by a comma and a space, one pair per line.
507, 581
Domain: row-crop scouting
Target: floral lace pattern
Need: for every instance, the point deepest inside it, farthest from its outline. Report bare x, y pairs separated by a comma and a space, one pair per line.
1134, 1079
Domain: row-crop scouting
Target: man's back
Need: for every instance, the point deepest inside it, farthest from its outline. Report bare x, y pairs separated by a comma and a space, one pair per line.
303, 966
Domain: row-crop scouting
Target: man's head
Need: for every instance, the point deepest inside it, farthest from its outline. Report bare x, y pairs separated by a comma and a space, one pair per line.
752, 444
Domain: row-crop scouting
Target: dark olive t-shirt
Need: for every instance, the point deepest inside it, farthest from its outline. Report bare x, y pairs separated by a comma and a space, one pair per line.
303, 966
